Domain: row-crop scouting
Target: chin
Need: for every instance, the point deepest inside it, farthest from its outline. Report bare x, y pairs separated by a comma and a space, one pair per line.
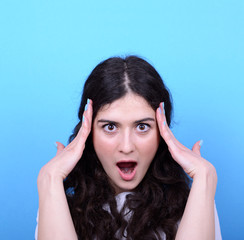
126, 187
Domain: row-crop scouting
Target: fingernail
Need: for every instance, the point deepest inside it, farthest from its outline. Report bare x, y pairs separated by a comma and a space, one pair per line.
163, 108
87, 103
83, 119
160, 110
201, 143
164, 123
56, 145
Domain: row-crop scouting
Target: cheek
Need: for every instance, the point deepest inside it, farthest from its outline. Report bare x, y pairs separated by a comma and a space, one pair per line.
103, 146
150, 145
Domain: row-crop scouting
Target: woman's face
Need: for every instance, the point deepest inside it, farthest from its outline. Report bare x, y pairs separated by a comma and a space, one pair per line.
126, 138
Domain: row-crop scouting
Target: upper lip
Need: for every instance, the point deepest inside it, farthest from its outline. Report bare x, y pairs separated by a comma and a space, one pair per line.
126, 161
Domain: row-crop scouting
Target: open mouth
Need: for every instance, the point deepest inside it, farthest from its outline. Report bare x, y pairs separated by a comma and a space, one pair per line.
126, 167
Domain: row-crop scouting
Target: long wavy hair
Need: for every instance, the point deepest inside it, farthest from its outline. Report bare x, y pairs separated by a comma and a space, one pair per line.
157, 203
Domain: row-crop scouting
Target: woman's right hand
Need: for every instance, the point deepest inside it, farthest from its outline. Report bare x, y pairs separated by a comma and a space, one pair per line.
55, 221
67, 157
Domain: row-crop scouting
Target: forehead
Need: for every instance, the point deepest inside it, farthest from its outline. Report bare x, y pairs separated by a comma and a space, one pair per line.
129, 106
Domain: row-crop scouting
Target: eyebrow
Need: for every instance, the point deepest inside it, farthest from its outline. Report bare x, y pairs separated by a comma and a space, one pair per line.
137, 121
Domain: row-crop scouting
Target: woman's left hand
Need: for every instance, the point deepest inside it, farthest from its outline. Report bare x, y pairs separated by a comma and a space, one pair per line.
190, 160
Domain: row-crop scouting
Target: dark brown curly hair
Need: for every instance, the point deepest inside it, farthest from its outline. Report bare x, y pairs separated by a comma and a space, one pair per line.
157, 203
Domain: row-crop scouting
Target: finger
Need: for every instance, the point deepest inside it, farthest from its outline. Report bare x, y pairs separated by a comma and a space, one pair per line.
165, 131
197, 146
60, 147
86, 124
77, 146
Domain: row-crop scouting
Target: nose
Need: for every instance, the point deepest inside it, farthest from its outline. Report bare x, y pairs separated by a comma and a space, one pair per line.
126, 144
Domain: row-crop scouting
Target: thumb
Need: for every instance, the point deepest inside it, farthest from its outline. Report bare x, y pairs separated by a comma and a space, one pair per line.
197, 146
60, 147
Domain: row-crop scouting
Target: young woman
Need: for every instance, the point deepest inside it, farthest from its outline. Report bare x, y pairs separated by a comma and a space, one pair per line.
124, 175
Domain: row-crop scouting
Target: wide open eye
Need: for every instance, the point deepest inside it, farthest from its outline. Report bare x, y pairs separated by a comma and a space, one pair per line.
143, 127
110, 128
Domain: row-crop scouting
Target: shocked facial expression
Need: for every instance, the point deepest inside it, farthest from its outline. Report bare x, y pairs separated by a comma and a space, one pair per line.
126, 138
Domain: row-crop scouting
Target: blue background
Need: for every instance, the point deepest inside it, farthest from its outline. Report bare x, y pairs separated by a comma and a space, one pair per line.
48, 48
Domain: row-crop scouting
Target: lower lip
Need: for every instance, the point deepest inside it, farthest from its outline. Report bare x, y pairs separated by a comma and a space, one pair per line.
128, 176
